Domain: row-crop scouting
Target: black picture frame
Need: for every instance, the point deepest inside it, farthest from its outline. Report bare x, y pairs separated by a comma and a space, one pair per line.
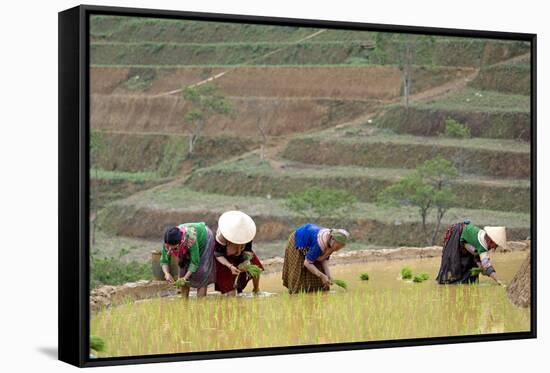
74, 131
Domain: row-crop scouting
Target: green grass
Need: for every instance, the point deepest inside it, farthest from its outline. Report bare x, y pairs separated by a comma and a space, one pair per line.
170, 197
251, 165
372, 148
478, 100
123, 175
364, 276
134, 249
250, 176
113, 271
482, 122
380, 136
512, 78
242, 42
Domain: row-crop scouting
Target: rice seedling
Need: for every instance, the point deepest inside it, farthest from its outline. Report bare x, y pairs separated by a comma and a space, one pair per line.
406, 273
476, 271
97, 343
364, 276
343, 284
421, 277
388, 310
180, 282
253, 270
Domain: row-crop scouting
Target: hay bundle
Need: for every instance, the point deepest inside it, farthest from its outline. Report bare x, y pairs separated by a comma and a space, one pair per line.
519, 290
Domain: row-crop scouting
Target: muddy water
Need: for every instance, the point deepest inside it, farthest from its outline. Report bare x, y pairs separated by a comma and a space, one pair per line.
383, 308
385, 274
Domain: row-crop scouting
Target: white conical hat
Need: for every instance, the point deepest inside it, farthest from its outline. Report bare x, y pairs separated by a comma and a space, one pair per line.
237, 227
497, 234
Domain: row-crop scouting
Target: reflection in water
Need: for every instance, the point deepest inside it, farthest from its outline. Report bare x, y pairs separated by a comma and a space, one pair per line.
382, 308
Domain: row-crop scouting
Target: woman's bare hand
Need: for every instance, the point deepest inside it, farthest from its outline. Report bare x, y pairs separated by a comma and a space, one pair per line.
168, 277
234, 270
326, 281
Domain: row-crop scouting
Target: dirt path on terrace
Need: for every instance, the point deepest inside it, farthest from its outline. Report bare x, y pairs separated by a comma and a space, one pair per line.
277, 144
219, 75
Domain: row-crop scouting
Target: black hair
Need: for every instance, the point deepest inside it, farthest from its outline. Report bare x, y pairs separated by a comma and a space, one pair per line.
173, 236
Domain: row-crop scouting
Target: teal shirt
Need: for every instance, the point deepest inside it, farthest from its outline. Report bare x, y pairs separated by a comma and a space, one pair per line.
195, 231
470, 235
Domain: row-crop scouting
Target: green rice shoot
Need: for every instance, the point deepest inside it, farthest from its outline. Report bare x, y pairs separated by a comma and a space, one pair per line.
424, 276
343, 284
181, 282
406, 273
253, 270
364, 276
97, 343
476, 271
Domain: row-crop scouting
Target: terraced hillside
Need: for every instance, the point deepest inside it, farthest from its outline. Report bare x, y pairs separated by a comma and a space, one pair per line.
330, 105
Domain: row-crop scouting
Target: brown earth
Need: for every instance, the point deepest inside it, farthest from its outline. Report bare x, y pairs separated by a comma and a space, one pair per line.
167, 113
358, 83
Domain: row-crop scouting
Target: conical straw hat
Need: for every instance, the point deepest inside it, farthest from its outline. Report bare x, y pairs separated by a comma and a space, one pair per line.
237, 227
497, 234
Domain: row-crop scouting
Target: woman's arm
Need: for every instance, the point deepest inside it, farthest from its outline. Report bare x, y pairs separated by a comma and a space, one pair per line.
488, 268
326, 269
164, 264
311, 267
223, 260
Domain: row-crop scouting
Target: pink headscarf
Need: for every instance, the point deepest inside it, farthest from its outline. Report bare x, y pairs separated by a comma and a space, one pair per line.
183, 247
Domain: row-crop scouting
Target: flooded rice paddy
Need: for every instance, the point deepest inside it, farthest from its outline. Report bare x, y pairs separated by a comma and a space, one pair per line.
382, 308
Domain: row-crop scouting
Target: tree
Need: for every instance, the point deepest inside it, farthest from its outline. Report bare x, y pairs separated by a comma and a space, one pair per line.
97, 144
406, 47
261, 126
205, 101
316, 202
428, 188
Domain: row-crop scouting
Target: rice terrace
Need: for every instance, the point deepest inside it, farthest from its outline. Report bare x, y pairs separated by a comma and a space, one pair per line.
386, 139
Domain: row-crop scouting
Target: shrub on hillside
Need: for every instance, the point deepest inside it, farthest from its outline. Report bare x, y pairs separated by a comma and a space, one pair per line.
114, 271
316, 201
456, 129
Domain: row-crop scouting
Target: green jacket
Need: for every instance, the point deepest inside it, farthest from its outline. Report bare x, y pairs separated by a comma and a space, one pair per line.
196, 232
470, 234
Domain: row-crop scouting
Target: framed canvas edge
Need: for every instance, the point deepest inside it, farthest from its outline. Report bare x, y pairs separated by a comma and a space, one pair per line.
73, 205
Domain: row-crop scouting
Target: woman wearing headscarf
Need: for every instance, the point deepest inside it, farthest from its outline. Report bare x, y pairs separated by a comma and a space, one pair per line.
193, 244
233, 251
308, 250
466, 248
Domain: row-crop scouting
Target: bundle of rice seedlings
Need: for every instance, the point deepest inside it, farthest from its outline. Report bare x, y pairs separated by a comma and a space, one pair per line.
424, 276
418, 278
180, 282
343, 284
246, 266
476, 271
253, 270
364, 276
97, 343
406, 273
